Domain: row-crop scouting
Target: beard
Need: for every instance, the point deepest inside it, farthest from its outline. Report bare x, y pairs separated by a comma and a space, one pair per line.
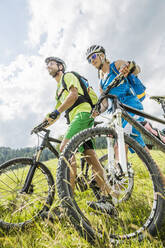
53, 73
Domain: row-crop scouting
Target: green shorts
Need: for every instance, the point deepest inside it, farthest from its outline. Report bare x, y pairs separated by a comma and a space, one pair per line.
80, 122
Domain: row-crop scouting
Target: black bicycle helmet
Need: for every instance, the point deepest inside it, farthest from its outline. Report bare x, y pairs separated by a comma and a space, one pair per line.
56, 59
94, 49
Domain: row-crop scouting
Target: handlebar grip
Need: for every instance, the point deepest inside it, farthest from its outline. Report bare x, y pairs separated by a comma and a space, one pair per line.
40, 127
115, 82
132, 66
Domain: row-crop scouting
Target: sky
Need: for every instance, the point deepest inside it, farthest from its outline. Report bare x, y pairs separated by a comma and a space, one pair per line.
32, 30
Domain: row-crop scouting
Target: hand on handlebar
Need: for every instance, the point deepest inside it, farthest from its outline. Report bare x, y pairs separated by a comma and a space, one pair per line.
52, 117
50, 121
40, 127
127, 68
124, 69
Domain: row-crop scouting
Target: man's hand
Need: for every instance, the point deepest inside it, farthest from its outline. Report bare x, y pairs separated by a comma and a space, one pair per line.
95, 113
52, 117
50, 121
124, 69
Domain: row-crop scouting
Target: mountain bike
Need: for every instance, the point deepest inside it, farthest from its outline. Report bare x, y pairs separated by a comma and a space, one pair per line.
136, 174
27, 186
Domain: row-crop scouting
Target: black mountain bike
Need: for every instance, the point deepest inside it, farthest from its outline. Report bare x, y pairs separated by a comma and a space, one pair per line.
137, 176
27, 186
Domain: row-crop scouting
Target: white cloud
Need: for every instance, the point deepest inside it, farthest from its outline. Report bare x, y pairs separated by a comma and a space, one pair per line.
128, 29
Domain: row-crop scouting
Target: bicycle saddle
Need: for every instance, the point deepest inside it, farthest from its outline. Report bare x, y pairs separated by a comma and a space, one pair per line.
158, 98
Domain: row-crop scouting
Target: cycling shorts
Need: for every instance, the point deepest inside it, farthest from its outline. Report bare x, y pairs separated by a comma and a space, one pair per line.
80, 122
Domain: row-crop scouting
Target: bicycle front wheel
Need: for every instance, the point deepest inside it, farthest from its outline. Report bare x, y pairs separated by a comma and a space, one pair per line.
17, 208
144, 211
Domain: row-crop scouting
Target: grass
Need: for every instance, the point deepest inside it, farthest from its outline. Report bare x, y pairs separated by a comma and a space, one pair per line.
44, 234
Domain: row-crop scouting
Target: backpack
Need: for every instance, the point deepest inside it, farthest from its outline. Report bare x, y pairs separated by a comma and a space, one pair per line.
89, 94
136, 85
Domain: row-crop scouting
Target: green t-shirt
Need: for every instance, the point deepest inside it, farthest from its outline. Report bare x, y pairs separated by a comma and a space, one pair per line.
71, 80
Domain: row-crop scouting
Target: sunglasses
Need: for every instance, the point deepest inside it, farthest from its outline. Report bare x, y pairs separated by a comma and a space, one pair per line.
92, 57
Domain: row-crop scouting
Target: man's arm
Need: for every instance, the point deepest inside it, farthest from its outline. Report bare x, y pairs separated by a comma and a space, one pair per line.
123, 66
104, 104
69, 101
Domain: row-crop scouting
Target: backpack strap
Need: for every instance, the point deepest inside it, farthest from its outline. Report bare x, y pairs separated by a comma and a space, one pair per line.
114, 69
81, 98
84, 87
64, 87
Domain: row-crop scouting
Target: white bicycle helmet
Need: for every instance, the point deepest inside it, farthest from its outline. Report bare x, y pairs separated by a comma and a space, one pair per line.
56, 59
94, 49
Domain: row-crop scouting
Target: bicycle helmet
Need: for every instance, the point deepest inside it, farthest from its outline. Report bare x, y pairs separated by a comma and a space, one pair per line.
94, 49
56, 59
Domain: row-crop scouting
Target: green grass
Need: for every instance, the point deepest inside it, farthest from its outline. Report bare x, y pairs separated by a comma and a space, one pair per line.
62, 234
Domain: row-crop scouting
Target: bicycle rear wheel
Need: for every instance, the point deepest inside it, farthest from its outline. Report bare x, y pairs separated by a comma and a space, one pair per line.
144, 211
18, 209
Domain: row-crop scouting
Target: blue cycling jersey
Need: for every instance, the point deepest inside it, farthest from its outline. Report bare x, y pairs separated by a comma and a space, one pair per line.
123, 91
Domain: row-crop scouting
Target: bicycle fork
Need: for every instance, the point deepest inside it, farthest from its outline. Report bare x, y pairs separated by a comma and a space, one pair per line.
116, 122
28, 187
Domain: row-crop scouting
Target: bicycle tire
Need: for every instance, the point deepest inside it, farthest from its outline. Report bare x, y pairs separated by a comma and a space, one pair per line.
20, 209
151, 214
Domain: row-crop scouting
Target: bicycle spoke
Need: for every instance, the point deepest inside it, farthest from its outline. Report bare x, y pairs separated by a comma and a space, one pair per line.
17, 207
139, 204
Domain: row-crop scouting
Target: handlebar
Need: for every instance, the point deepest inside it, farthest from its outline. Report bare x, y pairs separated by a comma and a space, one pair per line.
119, 78
115, 82
158, 98
40, 127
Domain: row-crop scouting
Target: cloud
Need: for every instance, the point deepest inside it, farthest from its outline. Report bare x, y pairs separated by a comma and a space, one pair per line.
130, 30
27, 96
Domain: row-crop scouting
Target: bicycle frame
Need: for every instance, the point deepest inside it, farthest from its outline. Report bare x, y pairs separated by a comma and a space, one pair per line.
46, 144
119, 112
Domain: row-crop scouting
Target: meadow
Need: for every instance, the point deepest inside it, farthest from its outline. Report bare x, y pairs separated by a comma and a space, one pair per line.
61, 234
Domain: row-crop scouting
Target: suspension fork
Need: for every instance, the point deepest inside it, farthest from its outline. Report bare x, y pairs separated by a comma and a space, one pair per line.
111, 154
29, 178
120, 141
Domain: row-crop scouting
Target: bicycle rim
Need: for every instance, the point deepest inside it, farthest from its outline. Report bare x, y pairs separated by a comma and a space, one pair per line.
19, 209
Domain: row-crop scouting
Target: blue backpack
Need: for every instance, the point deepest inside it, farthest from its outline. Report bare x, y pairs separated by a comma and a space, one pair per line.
136, 85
